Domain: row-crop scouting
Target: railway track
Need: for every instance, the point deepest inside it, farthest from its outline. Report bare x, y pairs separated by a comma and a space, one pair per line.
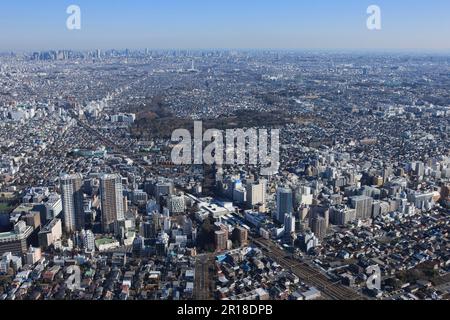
308, 274
202, 283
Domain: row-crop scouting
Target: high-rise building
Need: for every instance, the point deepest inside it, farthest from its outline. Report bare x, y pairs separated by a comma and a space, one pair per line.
146, 230
240, 235
33, 219
152, 207
303, 196
363, 206
376, 209
187, 226
53, 207
319, 227
284, 203
289, 223
256, 193
177, 204
88, 240
309, 241
161, 244
419, 168
72, 202
16, 241
163, 188
51, 233
342, 215
139, 197
221, 239
111, 197
445, 196
5, 262
239, 195
33, 255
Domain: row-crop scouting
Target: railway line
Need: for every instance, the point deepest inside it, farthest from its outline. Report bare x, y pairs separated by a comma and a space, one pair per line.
308, 274
202, 283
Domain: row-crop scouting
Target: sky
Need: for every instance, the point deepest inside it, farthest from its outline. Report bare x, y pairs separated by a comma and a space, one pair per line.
27, 25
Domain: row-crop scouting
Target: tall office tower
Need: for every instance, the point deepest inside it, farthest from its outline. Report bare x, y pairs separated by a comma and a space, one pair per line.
239, 195
363, 206
319, 227
284, 203
111, 196
187, 226
303, 196
146, 230
376, 209
163, 188
220, 239
341, 215
240, 235
419, 169
176, 204
88, 240
209, 180
72, 202
256, 193
289, 223
387, 172
53, 207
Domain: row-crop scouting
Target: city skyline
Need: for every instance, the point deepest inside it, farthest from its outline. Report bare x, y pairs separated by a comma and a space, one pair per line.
406, 25
183, 151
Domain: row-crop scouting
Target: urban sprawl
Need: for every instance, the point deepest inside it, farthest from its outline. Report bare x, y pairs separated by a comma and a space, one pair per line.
92, 206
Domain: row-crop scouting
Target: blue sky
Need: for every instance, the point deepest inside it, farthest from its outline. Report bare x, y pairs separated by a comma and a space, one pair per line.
195, 24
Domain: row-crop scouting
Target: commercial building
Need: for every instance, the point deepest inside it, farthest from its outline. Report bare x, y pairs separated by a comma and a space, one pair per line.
16, 241
362, 206
72, 202
256, 193
111, 197
240, 235
342, 215
88, 240
176, 204
221, 239
53, 206
319, 227
33, 255
50, 233
284, 203
289, 223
